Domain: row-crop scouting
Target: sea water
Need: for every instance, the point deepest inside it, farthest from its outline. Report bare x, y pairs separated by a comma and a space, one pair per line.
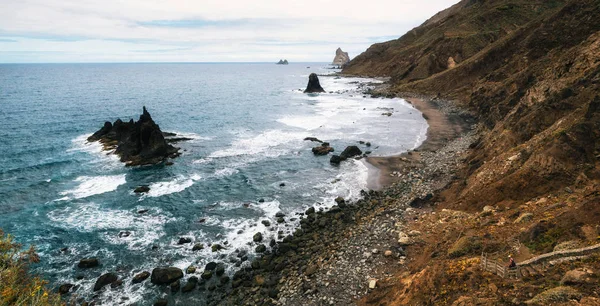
246, 161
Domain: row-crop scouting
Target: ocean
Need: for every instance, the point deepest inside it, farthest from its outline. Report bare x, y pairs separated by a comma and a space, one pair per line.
246, 162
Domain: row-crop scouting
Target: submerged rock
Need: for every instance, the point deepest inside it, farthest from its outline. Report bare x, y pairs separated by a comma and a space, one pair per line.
165, 276
136, 143
88, 263
140, 277
313, 84
142, 189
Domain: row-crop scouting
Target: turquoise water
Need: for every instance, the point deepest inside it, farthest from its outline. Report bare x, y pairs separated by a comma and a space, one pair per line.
247, 121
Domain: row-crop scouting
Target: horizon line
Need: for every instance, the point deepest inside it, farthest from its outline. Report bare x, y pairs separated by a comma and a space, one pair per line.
150, 62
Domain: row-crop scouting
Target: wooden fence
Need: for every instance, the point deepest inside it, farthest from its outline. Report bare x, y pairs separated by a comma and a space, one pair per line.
499, 268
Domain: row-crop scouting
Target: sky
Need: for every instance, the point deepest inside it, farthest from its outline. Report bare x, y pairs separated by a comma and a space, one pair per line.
33, 31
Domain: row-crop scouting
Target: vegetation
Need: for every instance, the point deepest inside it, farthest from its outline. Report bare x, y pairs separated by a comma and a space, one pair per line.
17, 286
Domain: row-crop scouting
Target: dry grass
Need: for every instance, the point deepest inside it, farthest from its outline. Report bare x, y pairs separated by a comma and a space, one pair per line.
17, 286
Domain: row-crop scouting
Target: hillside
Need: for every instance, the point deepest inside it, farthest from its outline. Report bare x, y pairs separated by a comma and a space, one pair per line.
530, 72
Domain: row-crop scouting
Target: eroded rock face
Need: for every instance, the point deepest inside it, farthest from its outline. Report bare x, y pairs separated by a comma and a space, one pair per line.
341, 58
313, 84
136, 143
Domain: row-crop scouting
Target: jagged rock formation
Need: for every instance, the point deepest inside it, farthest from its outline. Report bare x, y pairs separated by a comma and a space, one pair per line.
313, 84
136, 143
282, 62
341, 58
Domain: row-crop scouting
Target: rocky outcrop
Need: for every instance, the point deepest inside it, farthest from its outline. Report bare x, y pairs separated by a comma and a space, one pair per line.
282, 62
349, 152
313, 84
341, 58
136, 143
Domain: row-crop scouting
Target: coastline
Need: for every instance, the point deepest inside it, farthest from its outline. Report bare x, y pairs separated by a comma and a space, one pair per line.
336, 256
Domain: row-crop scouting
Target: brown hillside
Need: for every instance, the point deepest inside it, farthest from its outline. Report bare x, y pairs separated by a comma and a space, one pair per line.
535, 88
534, 84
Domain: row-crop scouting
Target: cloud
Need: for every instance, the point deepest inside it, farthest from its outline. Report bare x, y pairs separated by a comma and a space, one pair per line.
208, 30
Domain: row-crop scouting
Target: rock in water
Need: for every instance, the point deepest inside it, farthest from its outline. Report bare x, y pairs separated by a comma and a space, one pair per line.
341, 58
313, 84
136, 143
350, 152
165, 276
104, 280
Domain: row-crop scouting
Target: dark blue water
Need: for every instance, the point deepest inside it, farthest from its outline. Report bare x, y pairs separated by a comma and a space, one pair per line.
247, 121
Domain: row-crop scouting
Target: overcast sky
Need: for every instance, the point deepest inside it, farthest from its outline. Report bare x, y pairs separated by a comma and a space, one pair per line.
201, 30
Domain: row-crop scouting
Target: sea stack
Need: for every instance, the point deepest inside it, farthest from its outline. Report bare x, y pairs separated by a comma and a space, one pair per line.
282, 62
136, 143
341, 58
313, 84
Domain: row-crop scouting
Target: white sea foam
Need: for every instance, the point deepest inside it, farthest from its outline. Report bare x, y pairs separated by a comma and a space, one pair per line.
264, 143
106, 159
90, 217
226, 172
93, 185
192, 136
178, 184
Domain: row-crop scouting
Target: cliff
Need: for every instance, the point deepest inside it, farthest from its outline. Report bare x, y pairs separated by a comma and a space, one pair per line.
530, 72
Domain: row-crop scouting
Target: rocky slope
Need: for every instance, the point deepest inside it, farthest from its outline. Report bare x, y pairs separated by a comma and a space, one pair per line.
530, 72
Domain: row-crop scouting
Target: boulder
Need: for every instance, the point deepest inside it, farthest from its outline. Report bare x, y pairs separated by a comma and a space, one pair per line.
140, 277
313, 84
136, 143
210, 266
261, 248
335, 159
190, 285
198, 247
257, 237
88, 263
184, 240
175, 286
104, 280
161, 302
322, 150
351, 151
165, 275
65, 288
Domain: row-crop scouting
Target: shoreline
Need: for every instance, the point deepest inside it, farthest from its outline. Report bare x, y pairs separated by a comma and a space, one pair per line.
335, 256
444, 125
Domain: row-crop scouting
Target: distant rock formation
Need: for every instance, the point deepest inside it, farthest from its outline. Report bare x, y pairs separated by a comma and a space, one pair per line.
341, 58
313, 84
136, 143
282, 62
